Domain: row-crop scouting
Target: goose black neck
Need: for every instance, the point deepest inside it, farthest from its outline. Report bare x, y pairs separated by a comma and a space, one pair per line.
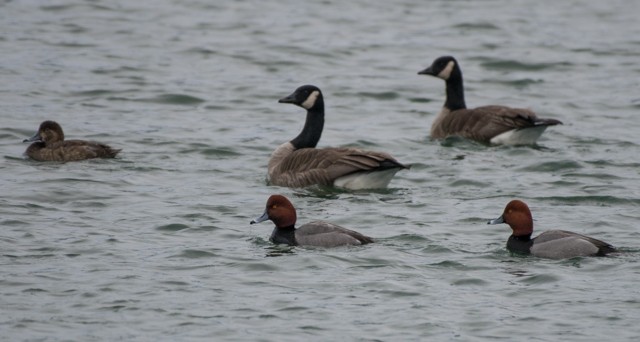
286, 235
313, 126
455, 91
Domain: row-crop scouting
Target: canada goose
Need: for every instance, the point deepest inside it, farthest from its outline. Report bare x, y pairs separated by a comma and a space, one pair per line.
49, 145
554, 244
298, 163
317, 233
498, 125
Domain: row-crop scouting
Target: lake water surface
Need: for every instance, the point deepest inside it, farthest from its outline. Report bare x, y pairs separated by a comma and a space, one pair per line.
156, 244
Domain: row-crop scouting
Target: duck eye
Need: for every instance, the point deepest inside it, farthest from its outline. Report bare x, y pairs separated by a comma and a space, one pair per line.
274, 206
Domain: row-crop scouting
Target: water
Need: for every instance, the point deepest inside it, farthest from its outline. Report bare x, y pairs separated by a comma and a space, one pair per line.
156, 245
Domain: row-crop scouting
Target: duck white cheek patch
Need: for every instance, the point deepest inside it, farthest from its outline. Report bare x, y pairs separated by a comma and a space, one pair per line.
446, 72
311, 100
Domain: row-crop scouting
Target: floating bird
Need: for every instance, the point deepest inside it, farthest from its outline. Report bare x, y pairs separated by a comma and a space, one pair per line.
554, 244
298, 163
49, 145
497, 125
317, 233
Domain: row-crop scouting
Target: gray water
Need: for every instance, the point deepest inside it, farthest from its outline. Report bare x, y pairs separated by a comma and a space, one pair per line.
156, 245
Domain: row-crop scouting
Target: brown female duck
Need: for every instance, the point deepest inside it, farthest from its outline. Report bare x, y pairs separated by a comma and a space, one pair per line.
49, 145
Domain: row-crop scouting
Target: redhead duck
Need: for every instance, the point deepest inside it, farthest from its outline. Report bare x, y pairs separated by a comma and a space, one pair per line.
49, 145
298, 163
554, 244
317, 233
497, 125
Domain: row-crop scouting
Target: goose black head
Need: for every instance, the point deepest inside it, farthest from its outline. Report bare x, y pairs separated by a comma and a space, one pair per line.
442, 67
306, 96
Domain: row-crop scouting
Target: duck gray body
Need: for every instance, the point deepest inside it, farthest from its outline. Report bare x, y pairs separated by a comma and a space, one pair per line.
317, 233
553, 244
560, 244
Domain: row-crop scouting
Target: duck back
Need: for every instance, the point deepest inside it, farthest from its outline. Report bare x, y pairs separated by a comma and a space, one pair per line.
70, 150
325, 234
560, 244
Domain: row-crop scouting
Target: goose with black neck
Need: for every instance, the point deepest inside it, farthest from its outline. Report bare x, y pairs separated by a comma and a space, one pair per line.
298, 163
491, 125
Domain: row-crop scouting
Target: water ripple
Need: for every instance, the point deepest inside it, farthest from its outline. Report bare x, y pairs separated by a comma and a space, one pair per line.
155, 244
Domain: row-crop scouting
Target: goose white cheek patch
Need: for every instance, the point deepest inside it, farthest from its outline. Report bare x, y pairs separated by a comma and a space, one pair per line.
446, 72
311, 100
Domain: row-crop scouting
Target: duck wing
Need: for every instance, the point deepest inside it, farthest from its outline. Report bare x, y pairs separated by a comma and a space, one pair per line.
80, 149
325, 234
564, 244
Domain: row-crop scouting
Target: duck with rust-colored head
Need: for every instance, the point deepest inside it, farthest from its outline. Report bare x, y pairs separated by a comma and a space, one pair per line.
49, 145
317, 233
553, 244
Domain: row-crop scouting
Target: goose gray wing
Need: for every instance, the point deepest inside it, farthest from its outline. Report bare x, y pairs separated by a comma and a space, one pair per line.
310, 166
483, 123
